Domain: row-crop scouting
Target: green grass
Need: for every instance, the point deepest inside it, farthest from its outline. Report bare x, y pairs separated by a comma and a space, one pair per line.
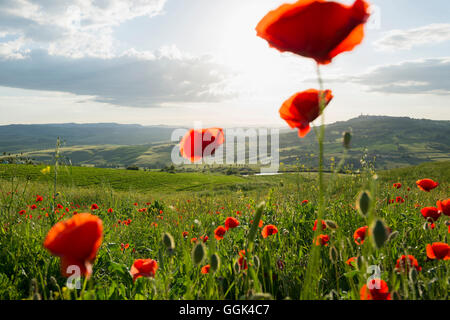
198, 203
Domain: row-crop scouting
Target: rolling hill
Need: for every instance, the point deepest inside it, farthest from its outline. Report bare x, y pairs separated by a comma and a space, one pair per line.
388, 142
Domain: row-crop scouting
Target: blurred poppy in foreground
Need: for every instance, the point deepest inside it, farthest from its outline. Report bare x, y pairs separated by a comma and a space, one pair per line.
304, 107
269, 230
76, 241
315, 29
378, 290
438, 250
200, 143
426, 184
444, 206
143, 268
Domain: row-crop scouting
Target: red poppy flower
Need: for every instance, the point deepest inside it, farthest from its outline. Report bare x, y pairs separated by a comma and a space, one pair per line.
378, 290
231, 223
444, 206
315, 29
360, 235
22, 212
305, 201
397, 185
324, 225
302, 108
39, 198
399, 199
438, 250
351, 261
94, 206
110, 210
322, 240
59, 206
426, 184
219, 232
32, 207
242, 261
269, 230
200, 143
205, 269
76, 241
204, 238
430, 213
143, 268
407, 261
185, 234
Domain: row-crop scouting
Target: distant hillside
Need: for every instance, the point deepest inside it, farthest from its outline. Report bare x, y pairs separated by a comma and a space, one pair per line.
20, 138
391, 141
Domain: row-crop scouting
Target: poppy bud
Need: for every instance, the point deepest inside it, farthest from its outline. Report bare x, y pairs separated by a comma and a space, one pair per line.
379, 232
363, 203
168, 241
347, 137
215, 262
54, 283
360, 261
334, 255
236, 267
392, 236
331, 224
198, 253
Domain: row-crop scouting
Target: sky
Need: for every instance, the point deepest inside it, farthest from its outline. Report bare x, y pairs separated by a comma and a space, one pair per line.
179, 62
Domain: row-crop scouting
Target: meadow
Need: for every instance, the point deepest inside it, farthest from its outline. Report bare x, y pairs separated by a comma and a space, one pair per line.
172, 217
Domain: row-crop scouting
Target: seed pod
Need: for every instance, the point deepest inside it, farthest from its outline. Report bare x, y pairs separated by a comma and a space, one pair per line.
360, 261
168, 241
236, 267
379, 232
331, 224
346, 138
363, 203
198, 253
215, 262
54, 283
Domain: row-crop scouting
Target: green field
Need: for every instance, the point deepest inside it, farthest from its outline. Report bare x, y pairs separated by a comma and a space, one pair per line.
198, 203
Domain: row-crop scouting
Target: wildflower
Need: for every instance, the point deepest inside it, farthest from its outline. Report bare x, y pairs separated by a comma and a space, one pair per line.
94, 207
39, 198
305, 201
351, 261
444, 206
322, 240
438, 250
46, 170
219, 232
324, 225
397, 185
242, 261
399, 199
378, 290
205, 269
302, 108
22, 212
199, 143
299, 28
59, 206
143, 268
360, 235
231, 222
269, 230
426, 184
408, 261
32, 207
76, 241
185, 234
110, 210
430, 213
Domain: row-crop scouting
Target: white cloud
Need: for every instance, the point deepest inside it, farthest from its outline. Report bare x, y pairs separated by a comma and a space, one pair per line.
133, 79
407, 39
426, 76
73, 28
